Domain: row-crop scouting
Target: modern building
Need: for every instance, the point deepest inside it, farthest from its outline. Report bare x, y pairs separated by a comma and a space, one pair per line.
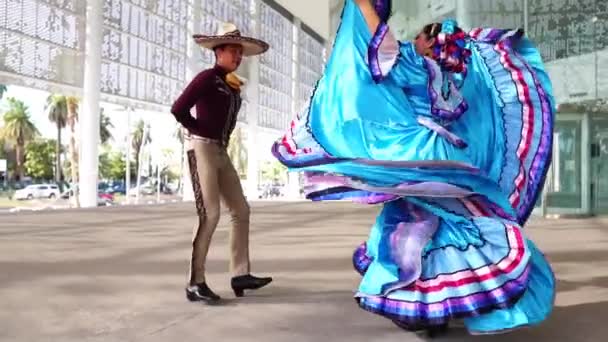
139, 54
573, 39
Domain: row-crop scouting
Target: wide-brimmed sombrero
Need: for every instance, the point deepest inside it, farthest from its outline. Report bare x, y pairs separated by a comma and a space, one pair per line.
228, 33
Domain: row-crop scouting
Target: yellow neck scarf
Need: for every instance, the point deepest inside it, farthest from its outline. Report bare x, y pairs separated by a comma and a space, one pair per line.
233, 81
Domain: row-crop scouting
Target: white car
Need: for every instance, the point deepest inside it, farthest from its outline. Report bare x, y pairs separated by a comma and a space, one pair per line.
37, 191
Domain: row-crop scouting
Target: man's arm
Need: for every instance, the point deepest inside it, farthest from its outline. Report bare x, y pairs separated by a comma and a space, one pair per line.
184, 103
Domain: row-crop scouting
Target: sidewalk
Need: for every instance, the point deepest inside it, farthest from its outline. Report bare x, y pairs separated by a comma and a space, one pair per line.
117, 274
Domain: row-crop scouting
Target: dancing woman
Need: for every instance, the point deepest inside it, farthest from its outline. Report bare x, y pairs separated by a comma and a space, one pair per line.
452, 133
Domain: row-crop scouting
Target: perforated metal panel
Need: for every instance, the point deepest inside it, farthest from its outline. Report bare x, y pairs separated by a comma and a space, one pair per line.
144, 49
41, 43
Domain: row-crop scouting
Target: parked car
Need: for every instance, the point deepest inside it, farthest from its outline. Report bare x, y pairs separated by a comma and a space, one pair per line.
37, 191
117, 189
103, 198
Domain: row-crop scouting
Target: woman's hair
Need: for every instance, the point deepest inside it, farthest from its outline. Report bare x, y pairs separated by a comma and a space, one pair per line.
449, 49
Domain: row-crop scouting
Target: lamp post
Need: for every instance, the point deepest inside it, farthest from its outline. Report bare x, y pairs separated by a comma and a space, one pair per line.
594, 164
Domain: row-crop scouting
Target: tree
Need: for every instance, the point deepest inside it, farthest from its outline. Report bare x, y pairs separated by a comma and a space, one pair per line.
104, 165
18, 130
2, 90
179, 135
112, 165
40, 155
168, 175
7, 152
105, 124
273, 171
3, 152
238, 153
63, 111
72, 104
57, 108
139, 141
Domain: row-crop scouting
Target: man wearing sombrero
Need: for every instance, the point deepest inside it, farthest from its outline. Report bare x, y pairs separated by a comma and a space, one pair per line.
215, 93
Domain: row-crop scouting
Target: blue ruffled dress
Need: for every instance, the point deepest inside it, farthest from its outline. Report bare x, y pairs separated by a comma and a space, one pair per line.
457, 161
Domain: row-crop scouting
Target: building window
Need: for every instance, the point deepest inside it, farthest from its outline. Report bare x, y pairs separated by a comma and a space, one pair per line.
276, 75
311, 61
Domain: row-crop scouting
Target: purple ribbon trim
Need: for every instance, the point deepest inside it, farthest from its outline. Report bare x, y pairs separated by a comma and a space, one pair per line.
372, 52
383, 9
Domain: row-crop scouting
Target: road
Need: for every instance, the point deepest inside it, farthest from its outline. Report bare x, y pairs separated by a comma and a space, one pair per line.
117, 274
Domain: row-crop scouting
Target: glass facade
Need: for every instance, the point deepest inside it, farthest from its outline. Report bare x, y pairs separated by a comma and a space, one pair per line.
564, 185
599, 162
560, 28
496, 13
42, 41
311, 61
276, 71
572, 38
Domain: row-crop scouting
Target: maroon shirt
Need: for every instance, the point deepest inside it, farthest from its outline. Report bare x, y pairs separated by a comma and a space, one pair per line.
217, 106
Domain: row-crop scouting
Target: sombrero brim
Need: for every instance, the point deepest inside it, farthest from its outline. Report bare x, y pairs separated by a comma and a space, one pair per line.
251, 46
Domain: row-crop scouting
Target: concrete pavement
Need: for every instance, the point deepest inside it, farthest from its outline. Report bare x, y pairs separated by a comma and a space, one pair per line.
117, 274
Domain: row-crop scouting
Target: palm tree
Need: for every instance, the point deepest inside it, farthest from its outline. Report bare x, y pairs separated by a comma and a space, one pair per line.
18, 130
139, 141
105, 124
57, 108
63, 111
72, 105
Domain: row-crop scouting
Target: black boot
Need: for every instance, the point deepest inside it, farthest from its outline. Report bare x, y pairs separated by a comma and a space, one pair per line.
248, 282
406, 327
201, 292
437, 330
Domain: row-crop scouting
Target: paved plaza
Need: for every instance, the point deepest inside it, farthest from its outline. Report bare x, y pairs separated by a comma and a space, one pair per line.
117, 274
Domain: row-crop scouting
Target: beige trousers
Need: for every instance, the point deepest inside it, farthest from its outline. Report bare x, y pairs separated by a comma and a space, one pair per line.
214, 178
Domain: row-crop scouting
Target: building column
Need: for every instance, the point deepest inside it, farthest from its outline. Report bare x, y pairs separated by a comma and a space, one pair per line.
586, 207
253, 95
130, 112
89, 117
194, 67
293, 181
